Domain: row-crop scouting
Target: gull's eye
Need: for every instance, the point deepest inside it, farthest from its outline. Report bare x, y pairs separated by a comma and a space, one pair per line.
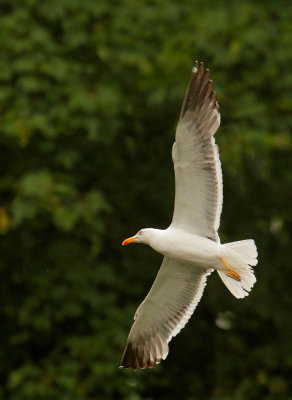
140, 233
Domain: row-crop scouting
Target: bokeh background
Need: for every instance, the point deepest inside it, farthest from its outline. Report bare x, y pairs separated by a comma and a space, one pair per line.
90, 93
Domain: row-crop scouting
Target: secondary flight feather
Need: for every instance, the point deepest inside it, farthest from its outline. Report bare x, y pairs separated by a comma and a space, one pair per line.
190, 245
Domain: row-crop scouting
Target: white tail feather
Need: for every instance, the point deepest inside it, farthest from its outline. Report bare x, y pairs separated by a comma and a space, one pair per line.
240, 256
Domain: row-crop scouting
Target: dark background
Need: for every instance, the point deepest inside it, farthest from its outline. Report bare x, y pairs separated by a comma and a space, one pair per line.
90, 93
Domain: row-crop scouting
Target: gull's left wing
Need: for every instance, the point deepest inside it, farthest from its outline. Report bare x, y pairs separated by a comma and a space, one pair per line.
168, 306
198, 176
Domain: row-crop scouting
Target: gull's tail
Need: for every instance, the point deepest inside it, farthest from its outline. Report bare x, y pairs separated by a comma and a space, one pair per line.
236, 269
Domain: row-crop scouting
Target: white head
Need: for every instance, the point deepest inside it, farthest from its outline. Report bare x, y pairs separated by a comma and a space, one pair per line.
143, 236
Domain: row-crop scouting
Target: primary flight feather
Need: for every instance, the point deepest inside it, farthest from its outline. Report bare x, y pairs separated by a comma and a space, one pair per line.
190, 245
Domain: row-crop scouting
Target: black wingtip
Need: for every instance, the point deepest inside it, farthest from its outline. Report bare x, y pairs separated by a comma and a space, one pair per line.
200, 92
136, 357
130, 358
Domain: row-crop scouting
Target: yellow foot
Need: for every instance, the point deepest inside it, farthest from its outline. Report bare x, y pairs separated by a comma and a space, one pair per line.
233, 274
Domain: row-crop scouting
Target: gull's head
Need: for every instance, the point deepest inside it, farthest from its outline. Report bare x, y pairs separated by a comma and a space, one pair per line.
143, 236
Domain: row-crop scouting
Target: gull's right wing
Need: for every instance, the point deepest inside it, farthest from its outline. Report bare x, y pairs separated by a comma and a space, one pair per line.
166, 309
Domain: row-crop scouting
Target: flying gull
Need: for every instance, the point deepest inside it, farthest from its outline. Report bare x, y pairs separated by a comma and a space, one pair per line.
190, 245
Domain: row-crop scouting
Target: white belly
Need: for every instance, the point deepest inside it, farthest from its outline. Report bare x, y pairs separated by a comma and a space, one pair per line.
188, 247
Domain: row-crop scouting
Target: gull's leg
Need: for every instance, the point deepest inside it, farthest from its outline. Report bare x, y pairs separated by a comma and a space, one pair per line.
230, 272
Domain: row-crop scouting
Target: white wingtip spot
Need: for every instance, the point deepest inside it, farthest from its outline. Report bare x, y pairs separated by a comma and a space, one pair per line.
194, 70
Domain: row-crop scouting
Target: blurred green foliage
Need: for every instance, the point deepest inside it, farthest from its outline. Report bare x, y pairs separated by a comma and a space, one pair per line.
90, 92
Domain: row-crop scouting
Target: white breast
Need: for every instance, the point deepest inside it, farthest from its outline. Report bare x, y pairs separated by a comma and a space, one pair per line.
185, 246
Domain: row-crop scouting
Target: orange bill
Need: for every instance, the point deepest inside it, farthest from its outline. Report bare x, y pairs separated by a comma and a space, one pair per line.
129, 240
